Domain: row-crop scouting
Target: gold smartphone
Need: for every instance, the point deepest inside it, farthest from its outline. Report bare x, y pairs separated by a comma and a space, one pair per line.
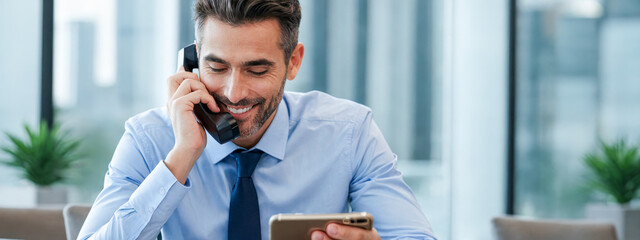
300, 226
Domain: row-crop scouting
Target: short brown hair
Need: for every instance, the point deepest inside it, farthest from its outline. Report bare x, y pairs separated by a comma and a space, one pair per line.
238, 12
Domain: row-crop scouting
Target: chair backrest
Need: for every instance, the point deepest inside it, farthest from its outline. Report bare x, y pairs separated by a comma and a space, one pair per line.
511, 228
74, 216
31, 223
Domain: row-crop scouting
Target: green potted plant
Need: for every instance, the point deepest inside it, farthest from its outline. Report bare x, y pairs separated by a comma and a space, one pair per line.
44, 158
615, 171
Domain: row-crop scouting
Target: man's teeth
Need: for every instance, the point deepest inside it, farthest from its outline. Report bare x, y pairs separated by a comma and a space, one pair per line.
238, 111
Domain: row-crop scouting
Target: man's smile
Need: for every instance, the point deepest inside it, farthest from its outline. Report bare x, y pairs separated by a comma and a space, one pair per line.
240, 113
239, 110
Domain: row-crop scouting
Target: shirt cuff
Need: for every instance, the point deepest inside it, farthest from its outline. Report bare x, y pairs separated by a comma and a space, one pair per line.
159, 187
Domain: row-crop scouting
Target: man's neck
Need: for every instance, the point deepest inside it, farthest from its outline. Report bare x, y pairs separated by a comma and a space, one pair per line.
251, 141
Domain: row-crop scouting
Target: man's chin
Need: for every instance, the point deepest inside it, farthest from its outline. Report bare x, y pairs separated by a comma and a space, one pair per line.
247, 129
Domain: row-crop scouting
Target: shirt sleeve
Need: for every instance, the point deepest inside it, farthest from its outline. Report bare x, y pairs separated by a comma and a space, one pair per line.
138, 196
377, 187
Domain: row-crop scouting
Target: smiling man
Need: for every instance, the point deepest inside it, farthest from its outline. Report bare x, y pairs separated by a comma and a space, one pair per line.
297, 152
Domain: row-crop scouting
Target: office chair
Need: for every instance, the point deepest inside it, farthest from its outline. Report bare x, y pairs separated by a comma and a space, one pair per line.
511, 228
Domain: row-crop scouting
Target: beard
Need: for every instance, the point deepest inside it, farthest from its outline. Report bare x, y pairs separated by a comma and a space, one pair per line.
265, 110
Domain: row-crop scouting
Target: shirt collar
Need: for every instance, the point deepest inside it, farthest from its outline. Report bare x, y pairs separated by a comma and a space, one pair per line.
273, 142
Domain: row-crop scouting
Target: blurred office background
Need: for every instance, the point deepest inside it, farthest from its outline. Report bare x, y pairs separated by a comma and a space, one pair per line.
435, 72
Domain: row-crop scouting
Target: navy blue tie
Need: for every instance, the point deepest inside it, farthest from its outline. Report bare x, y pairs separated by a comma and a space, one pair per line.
244, 212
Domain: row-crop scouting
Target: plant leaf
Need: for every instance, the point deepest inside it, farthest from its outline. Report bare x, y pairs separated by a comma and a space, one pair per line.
44, 156
615, 170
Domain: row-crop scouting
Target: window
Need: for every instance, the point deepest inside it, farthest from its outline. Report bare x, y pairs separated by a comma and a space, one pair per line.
111, 62
577, 83
20, 92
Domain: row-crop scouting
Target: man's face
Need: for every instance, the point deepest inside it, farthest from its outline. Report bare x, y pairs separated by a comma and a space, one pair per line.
243, 67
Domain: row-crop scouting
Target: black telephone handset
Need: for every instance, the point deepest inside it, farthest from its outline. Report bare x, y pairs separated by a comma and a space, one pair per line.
222, 126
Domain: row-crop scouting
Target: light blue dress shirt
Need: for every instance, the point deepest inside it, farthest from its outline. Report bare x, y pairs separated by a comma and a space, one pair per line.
322, 155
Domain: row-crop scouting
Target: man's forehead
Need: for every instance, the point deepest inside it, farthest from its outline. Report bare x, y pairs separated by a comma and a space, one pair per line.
245, 41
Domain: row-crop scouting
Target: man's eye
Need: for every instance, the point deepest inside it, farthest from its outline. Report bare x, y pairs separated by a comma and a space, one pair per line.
217, 70
258, 73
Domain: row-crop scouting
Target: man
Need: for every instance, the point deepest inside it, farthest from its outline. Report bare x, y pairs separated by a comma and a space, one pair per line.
312, 153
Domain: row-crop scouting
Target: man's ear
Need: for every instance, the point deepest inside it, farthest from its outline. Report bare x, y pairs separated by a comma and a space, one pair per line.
295, 61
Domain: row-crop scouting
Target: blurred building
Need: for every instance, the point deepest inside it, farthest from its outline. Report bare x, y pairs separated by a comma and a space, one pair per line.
576, 86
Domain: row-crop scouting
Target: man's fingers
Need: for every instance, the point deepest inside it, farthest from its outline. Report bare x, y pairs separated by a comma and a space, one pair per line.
188, 101
343, 232
338, 231
189, 86
175, 80
180, 68
319, 235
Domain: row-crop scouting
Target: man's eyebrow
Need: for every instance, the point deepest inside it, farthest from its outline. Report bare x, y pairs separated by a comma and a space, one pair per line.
259, 62
213, 58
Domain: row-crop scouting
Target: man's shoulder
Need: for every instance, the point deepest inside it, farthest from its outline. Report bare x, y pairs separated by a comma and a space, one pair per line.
319, 106
153, 118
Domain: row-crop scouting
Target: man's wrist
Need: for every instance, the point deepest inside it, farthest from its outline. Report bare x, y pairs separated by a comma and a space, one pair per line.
187, 152
180, 161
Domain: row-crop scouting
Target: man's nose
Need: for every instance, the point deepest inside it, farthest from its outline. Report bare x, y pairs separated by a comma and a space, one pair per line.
235, 89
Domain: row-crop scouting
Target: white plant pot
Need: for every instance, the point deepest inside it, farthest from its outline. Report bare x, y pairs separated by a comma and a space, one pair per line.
51, 195
624, 218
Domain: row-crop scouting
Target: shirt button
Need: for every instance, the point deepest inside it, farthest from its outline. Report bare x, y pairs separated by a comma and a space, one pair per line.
162, 190
150, 210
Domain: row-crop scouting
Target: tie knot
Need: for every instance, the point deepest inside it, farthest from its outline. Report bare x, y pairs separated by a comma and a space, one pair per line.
246, 161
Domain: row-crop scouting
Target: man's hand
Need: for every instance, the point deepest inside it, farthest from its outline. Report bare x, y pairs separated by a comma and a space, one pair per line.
343, 232
185, 90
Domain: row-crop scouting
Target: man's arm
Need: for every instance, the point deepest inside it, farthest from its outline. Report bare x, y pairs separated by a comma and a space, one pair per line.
138, 196
377, 187
141, 192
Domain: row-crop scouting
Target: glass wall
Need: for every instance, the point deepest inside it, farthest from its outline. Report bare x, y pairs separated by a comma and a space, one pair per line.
577, 84
20, 43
